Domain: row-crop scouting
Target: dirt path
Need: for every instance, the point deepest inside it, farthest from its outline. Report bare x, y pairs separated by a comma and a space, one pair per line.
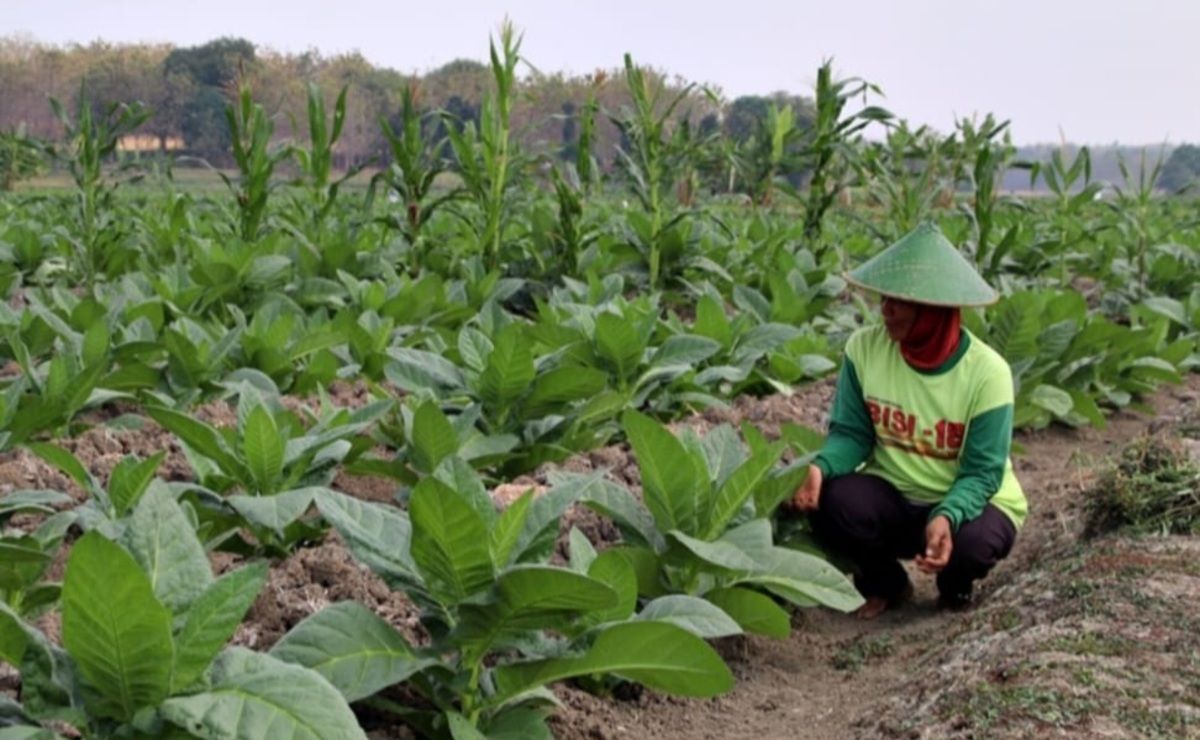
831, 678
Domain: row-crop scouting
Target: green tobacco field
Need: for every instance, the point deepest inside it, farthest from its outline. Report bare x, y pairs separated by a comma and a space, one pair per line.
486, 442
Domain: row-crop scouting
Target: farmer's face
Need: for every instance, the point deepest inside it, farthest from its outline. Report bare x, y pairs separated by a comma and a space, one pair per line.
898, 316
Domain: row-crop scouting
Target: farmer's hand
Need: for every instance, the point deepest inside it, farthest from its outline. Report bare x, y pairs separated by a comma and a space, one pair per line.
939, 541
808, 495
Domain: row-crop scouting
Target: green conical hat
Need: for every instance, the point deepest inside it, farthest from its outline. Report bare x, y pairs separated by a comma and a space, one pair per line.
924, 267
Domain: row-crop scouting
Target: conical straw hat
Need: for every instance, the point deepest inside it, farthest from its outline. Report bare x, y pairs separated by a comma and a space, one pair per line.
924, 267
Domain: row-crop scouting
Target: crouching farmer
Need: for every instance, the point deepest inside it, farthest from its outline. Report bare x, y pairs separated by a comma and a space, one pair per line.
916, 464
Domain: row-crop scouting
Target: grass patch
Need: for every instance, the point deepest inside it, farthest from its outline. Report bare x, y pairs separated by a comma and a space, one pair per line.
1153, 489
990, 706
854, 655
1093, 643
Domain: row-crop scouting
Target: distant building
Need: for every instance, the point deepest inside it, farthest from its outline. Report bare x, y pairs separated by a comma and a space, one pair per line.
150, 143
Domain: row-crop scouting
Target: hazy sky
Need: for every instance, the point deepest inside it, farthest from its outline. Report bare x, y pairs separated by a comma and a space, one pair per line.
1102, 71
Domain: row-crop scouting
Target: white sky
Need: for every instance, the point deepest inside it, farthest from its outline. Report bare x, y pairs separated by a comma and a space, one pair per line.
1101, 71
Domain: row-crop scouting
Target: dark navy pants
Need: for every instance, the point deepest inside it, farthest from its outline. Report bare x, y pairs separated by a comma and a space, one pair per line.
865, 519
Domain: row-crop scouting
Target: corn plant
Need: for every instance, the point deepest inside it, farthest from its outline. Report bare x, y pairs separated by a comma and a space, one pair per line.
256, 157
486, 156
21, 157
1071, 232
316, 160
327, 239
703, 527
417, 160
143, 632
770, 152
986, 153
1135, 208
908, 174
831, 145
653, 157
486, 600
98, 233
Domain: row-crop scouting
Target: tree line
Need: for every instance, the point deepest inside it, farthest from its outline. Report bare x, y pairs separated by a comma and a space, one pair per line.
188, 88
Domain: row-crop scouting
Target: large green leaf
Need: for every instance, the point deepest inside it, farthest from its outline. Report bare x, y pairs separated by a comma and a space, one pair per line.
509, 371
634, 520
449, 541
418, 370
462, 729
617, 341
580, 551
22, 561
685, 349
202, 438
754, 612
12, 638
614, 568
263, 448
712, 322
379, 536
671, 489
503, 536
458, 474
130, 479
723, 452
211, 621
277, 511
693, 614
354, 649
118, 634
739, 486
49, 682
803, 579
720, 554
541, 523
255, 696
38, 501
662, 656
1052, 399
67, 463
563, 385
530, 590
433, 439
161, 539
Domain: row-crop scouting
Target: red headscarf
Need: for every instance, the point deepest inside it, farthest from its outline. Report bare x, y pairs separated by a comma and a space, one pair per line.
933, 337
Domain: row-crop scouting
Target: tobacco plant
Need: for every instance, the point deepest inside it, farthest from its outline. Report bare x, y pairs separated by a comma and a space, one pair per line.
703, 527
487, 603
144, 628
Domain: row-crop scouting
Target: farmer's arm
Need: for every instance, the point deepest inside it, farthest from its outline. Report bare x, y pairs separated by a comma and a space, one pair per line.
984, 456
851, 433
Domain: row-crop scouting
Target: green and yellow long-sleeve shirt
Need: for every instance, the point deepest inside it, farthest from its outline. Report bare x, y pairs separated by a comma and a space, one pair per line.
940, 437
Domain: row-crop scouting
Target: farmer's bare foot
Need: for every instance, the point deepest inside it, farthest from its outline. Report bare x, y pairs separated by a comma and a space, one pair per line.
873, 607
876, 605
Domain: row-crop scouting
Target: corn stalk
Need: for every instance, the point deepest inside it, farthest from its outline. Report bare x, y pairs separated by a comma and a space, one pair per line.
250, 131
417, 160
91, 141
486, 156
